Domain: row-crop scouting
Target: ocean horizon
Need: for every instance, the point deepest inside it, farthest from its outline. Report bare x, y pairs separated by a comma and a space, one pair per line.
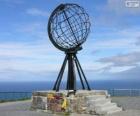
48, 85
23, 90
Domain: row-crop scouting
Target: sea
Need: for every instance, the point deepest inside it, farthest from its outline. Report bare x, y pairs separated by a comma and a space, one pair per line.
21, 90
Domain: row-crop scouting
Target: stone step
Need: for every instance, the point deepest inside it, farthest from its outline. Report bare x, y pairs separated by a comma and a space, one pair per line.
100, 101
104, 112
110, 111
106, 107
92, 92
100, 92
94, 97
102, 106
117, 109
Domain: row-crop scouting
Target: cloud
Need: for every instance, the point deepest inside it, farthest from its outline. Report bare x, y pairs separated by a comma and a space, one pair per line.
29, 56
116, 15
121, 62
131, 74
34, 30
35, 54
138, 41
124, 40
114, 43
13, 75
96, 66
37, 12
118, 69
95, 51
129, 59
119, 8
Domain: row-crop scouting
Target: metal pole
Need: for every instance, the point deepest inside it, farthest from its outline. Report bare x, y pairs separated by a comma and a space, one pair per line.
82, 73
59, 78
61, 75
71, 82
83, 87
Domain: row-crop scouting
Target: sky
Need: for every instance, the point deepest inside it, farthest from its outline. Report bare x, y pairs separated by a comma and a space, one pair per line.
111, 52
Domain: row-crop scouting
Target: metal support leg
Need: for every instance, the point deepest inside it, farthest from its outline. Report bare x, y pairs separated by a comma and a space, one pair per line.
71, 80
82, 73
59, 78
83, 87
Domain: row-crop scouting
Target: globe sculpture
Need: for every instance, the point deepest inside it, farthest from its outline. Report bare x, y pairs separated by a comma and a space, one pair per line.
68, 28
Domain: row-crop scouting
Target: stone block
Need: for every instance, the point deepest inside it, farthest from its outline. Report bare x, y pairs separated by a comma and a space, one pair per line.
56, 102
39, 102
42, 93
72, 104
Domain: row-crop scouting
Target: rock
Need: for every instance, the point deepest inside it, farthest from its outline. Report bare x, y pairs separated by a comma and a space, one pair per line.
39, 102
42, 93
72, 104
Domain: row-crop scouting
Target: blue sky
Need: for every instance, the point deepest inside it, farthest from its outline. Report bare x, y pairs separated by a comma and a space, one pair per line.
112, 50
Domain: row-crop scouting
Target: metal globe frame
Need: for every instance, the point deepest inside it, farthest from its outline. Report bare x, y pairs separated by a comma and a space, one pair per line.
68, 28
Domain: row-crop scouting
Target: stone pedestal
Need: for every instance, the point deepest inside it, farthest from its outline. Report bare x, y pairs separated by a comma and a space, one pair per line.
90, 102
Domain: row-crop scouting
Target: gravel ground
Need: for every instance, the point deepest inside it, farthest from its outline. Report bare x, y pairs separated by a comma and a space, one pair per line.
127, 102
131, 106
20, 108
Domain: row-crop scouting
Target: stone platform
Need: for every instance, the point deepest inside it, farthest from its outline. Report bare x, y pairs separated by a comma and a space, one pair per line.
86, 102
